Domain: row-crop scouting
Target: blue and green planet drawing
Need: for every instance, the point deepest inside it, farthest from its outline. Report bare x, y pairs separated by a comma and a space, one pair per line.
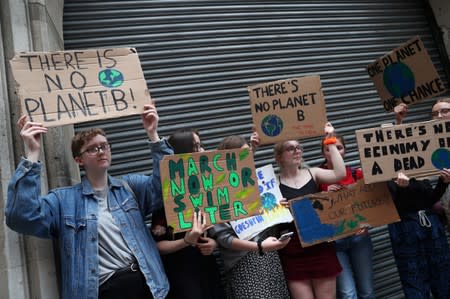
399, 79
269, 201
441, 158
110, 78
272, 125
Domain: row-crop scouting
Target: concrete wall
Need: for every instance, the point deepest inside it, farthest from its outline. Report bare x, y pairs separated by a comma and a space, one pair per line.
27, 264
441, 10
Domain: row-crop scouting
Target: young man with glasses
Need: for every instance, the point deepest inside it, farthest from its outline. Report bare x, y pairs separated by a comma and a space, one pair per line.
106, 249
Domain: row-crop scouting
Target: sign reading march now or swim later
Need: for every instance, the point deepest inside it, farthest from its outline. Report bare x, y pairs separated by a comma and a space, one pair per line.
328, 216
288, 109
405, 75
416, 149
221, 184
272, 211
59, 88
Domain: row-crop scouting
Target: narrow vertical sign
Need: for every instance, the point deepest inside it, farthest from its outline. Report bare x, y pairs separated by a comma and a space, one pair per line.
272, 211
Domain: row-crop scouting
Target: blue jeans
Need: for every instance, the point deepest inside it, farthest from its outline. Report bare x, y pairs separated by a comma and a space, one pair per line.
356, 279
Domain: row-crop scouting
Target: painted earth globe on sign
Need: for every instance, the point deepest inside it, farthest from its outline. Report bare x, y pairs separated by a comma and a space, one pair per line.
110, 78
272, 125
441, 158
269, 201
398, 79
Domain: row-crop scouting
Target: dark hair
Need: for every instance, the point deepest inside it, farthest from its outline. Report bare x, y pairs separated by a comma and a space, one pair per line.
83, 137
340, 137
232, 142
183, 141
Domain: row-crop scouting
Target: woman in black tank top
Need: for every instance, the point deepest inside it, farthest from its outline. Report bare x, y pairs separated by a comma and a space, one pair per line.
310, 272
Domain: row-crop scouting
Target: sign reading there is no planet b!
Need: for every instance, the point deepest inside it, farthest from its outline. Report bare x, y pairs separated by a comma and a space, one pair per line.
66, 87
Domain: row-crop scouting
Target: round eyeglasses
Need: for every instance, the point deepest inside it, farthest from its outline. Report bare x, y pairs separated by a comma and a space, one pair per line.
94, 150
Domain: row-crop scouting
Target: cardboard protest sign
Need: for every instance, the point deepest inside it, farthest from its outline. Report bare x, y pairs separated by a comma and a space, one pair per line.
272, 211
328, 216
221, 184
406, 74
59, 88
288, 109
416, 149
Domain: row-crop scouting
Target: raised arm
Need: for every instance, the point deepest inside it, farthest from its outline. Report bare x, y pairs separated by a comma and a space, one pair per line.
148, 188
150, 121
31, 133
330, 176
26, 211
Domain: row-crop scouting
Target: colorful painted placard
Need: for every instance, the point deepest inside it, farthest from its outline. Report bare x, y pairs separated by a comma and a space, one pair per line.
272, 211
405, 75
288, 109
416, 149
221, 184
66, 87
328, 216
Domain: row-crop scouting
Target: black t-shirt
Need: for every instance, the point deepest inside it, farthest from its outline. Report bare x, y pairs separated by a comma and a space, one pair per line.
418, 195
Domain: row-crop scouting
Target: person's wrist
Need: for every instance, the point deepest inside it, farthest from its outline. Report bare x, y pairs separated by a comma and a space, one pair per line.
153, 136
193, 244
330, 140
260, 248
32, 156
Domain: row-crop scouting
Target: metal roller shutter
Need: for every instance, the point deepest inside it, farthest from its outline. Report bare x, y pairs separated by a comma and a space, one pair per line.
199, 56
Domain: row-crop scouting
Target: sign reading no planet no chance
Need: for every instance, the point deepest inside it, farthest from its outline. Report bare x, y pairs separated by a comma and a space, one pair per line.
405, 75
221, 184
288, 109
59, 88
328, 216
416, 149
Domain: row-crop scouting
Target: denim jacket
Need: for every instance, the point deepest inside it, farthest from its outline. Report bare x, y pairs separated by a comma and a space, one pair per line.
70, 214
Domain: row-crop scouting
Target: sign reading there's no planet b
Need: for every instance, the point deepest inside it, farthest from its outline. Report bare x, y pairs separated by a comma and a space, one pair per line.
288, 109
328, 216
221, 184
416, 149
405, 75
59, 88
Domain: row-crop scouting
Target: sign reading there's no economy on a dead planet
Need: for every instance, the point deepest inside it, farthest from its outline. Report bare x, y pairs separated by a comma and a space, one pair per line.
416, 149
